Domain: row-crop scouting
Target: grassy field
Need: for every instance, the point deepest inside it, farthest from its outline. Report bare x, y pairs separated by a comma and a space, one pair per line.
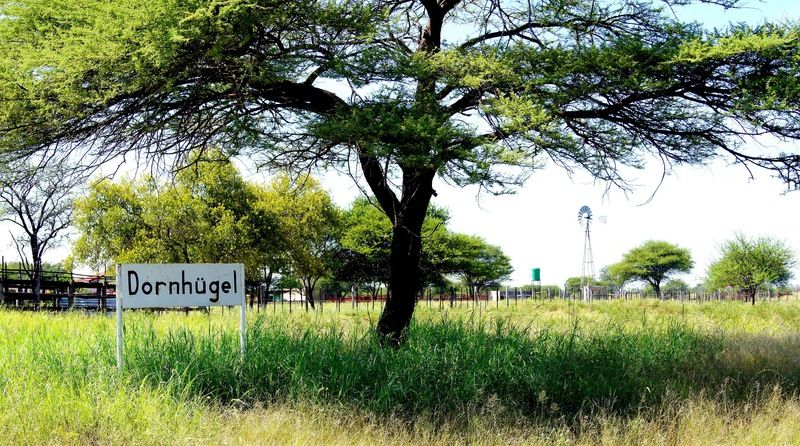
554, 372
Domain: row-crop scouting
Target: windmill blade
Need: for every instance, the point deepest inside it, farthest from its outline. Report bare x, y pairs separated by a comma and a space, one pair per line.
584, 214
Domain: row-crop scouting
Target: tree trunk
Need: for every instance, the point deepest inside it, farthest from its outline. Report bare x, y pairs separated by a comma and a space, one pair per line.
407, 216
37, 273
404, 283
308, 284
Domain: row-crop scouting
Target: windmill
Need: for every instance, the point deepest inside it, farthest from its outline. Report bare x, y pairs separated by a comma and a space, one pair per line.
587, 270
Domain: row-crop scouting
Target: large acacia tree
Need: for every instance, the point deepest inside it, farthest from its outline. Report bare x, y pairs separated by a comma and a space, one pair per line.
397, 91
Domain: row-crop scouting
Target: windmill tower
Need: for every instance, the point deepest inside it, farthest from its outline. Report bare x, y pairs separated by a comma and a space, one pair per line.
587, 270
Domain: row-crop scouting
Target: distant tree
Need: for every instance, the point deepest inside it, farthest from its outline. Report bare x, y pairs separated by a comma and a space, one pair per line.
207, 213
652, 262
349, 269
573, 284
108, 220
478, 263
436, 258
368, 231
37, 199
750, 264
310, 226
606, 279
675, 286
366, 240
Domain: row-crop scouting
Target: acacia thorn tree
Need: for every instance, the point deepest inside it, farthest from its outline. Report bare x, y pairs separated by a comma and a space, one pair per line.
748, 264
37, 200
652, 262
398, 92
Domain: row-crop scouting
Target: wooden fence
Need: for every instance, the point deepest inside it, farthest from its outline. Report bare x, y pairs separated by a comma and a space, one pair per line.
59, 290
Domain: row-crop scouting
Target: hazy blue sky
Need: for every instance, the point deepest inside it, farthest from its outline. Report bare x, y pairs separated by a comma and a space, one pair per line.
697, 208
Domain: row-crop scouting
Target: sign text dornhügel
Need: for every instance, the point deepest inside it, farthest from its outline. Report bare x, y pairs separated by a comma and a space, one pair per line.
180, 285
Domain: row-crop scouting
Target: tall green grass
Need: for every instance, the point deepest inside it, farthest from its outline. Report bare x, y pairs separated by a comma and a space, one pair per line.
58, 384
452, 366
545, 364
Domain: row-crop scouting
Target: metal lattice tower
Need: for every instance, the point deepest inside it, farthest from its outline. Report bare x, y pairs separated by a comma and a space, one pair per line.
587, 270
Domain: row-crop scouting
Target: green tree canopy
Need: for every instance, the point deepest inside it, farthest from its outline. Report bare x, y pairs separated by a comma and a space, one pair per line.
750, 264
479, 263
401, 91
651, 262
573, 284
365, 247
368, 232
207, 214
310, 226
675, 286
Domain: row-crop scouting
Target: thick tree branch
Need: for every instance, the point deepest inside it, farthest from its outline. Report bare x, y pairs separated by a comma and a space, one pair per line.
377, 180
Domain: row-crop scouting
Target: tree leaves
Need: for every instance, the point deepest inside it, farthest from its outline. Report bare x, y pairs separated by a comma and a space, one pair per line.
651, 262
750, 264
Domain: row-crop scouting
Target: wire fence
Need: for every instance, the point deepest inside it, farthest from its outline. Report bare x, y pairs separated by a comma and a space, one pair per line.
66, 290
292, 300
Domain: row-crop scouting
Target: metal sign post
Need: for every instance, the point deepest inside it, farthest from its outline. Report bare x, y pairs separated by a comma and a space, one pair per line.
179, 285
118, 301
242, 319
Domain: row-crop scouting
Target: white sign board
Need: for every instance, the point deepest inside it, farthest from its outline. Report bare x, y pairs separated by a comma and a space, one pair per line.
147, 285
180, 285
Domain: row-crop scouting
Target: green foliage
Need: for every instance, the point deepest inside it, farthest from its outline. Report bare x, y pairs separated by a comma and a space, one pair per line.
310, 226
575, 282
207, 214
651, 262
675, 286
597, 85
750, 264
538, 86
367, 242
479, 264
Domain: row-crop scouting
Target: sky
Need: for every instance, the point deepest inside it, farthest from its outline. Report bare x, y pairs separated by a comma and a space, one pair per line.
695, 207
